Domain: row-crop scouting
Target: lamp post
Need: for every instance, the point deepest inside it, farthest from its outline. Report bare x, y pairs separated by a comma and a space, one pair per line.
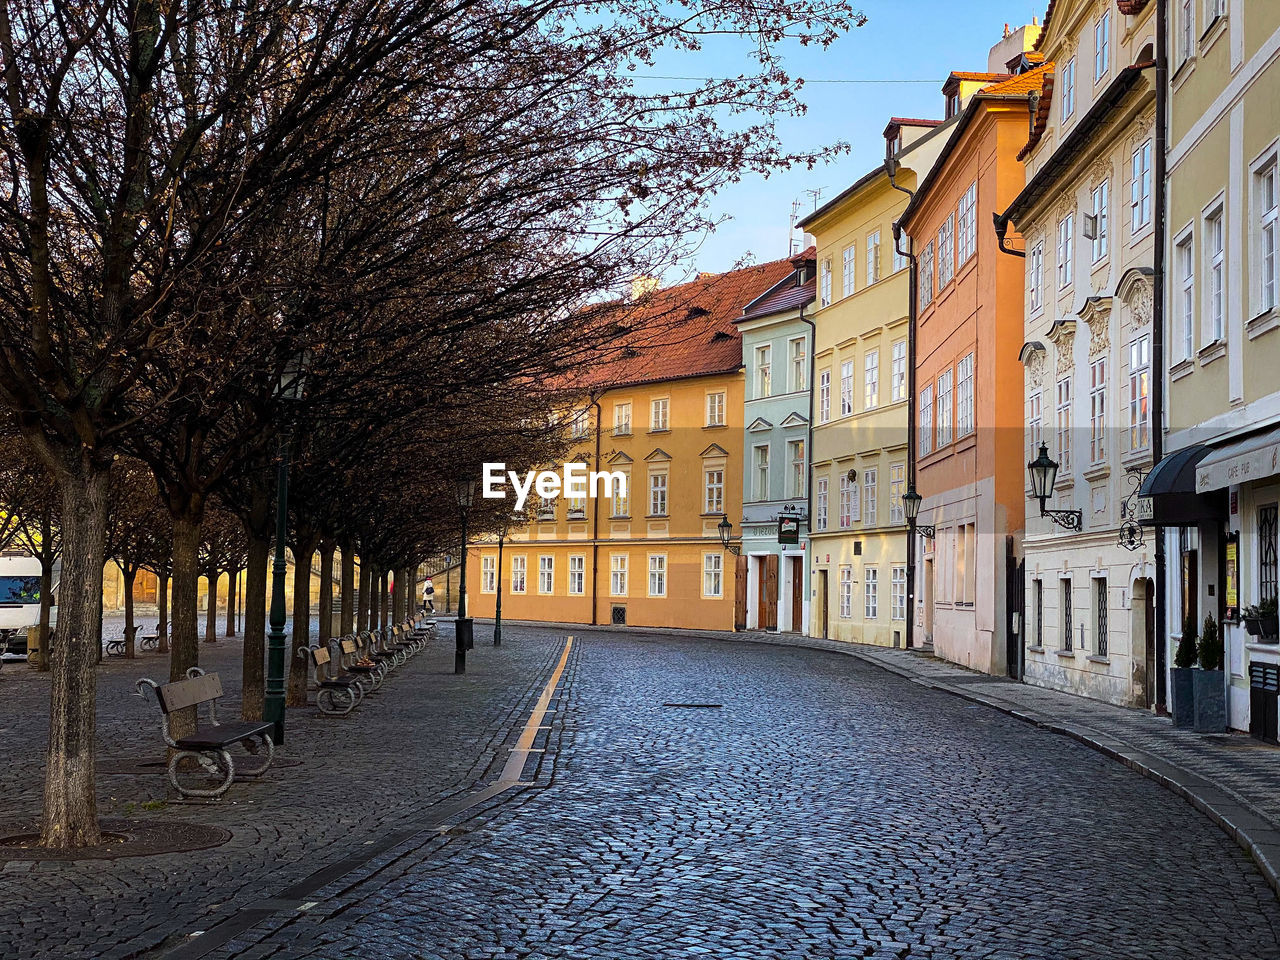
1044, 473
911, 508
726, 535
465, 491
290, 391
497, 607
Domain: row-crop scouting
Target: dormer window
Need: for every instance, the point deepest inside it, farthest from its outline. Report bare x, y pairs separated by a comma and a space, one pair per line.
953, 104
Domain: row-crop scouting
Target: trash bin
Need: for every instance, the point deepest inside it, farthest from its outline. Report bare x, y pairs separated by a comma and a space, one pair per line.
1264, 685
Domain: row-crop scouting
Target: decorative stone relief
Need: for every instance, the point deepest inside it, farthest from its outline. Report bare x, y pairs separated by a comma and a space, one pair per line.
1035, 369
1063, 334
1140, 303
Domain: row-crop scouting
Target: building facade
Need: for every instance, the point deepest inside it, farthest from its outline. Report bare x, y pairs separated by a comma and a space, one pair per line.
969, 385
777, 355
667, 414
1086, 218
1219, 484
859, 554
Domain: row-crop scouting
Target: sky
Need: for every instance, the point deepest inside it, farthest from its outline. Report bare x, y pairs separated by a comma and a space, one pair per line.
903, 40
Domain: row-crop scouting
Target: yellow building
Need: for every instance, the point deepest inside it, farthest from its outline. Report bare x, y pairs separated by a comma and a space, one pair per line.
861, 364
668, 416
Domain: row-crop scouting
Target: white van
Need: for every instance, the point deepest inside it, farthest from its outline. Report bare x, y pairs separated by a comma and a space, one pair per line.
20, 603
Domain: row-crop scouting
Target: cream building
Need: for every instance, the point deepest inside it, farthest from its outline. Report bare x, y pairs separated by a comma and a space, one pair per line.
1086, 216
859, 549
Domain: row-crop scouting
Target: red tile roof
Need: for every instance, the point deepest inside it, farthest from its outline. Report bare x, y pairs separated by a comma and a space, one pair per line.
808, 254
914, 122
974, 77
1021, 85
1041, 120
682, 331
786, 295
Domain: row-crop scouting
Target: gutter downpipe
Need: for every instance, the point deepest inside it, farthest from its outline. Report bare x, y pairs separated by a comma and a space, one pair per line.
595, 526
808, 486
1157, 338
891, 168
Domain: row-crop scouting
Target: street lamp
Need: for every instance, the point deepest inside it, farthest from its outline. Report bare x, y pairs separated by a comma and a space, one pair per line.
465, 491
1044, 473
289, 392
726, 534
911, 508
497, 607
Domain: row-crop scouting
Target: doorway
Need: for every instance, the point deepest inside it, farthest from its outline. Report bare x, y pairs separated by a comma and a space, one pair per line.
928, 600
1143, 625
821, 600
796, 565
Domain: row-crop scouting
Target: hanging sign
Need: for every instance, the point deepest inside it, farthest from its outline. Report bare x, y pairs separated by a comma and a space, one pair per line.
788, 530
1233, 577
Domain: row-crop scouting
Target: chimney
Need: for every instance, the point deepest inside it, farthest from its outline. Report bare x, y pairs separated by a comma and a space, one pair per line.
642, 285
1012, 44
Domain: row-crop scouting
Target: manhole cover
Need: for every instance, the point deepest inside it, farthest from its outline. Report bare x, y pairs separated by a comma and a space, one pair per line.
121, 838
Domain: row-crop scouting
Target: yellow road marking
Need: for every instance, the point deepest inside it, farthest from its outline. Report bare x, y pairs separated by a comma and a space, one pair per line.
524, 746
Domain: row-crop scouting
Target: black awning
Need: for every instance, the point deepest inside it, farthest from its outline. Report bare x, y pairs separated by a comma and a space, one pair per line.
1171, 489
1176, 473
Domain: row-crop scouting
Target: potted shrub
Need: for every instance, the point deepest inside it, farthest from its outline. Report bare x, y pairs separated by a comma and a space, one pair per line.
1209, 682
1184, 659
1261, 620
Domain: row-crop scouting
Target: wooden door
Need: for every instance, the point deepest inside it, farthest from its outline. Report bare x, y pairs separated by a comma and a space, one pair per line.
823, 605
797, 594
740, 594
762, 618
771, 592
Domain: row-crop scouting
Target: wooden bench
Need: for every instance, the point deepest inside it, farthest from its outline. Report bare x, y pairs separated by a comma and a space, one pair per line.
150, 641
117, 647
336, 694
208, 746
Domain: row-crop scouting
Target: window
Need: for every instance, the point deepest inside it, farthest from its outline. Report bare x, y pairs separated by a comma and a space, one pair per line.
1064, 425
825, 282
577, 508
964, 396
869, 497
715, 409
846, 591
1267, 567
764, 370
621, 500
925, 427
966, 567
546, 508
1037, 603
897, 487
870, 593
848, 496
1184, 260
824, 396
944, 408
712, 575
946, 251
898, 372
820, 503
1266, 191
714, 486
953, 104
1069, 88
577, 576
1214, 9
1064, 613
659, 411
1186, 29
900, 260
1101, 200
657, 574
1100, 616
848, 280
580, 426
846, 388
618, 575
1215, 269
873, 257
546, 574
621, 419
1140, 187
968, 241
898, 593
518, 572
925, 280
488, 574
1066, 250
760, 486
1098, 411
657, 494
1035, 278
799, 364
871, 380
1139, 389
1034, 425
1101, 46
795, 454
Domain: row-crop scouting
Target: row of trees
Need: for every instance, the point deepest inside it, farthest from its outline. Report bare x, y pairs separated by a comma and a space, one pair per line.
409, 200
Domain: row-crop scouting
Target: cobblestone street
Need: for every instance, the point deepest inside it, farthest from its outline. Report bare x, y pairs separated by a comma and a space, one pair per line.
695, 798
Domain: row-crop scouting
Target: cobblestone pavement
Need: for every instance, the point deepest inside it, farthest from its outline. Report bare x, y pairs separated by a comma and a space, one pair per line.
825, 809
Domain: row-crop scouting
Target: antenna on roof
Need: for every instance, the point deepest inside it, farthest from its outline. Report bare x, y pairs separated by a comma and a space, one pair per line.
791, 228
816, 193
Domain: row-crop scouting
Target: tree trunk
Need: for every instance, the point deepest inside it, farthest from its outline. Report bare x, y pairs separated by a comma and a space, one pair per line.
130, 572
186, 613
253, 678
211, 608
70, 817
296, 695
232, 577
384, 601
347, 624
41, 662
326, 591
366, 591
162, 611
397, 591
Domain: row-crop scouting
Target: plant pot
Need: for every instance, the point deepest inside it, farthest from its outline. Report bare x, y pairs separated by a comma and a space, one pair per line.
1184, 712
1271, 625
1210, 701
1253, 625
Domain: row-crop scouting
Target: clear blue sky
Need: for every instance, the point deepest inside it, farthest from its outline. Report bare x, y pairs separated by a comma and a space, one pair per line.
903, 40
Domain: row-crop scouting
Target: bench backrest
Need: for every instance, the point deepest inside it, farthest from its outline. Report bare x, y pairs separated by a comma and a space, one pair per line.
348, 646
189, 693
320, 656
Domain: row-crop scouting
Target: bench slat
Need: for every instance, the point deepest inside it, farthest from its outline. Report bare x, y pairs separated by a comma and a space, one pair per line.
187, 693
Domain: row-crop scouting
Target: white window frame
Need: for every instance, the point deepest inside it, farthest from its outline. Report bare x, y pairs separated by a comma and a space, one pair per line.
924, 428
870, 593
713, 490
967, 243
657, 575
870, 497
546, 574
873, 257
1140, 392
618, 563
943, 412
846, 592
1068, 88
1035, 279
1035, 423
848, 268
1215, 271
964, 396
824, 283
898, 592
660, 414
713, 575
1184, 275
577, 575
1140, 187
824, 396
622, 419
820, 503
519, 573
760, 472
946, 251
658, 494
489, 574
871, 380
1066, 251
798, 466
924, 281
1102, 46
1062, 411
897, 487
848, 497
1098, 374
846, 388
898, 372
798, 354
1265, 230
1101, 196
764, 370
715, 408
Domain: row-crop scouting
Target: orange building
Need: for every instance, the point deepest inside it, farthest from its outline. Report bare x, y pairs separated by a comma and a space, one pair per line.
968, 402
666, 412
